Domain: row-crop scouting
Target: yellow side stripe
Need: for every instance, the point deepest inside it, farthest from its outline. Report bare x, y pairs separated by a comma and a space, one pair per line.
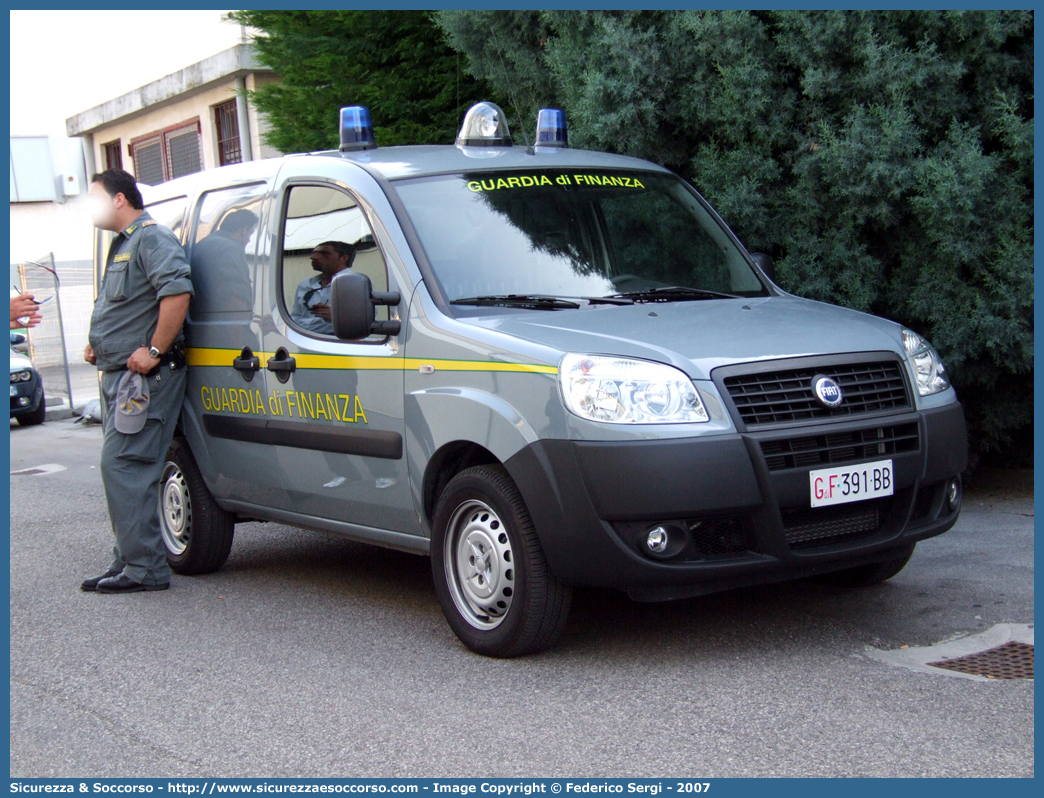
224, 357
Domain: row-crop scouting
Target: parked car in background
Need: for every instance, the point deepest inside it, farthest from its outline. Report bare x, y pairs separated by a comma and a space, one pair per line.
27, 391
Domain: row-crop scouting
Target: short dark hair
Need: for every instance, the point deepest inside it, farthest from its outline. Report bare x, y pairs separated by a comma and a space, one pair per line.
238, 220
116, 181
343, 249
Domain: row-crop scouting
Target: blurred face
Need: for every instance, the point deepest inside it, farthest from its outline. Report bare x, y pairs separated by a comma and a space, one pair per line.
103, 208
326, 260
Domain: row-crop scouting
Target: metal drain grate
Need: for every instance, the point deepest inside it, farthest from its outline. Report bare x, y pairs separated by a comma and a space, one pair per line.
1010, 661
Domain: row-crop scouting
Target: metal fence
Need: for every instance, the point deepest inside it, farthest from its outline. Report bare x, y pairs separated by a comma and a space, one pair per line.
56, 344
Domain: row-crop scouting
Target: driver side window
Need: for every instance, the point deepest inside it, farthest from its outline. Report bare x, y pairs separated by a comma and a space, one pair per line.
324, 232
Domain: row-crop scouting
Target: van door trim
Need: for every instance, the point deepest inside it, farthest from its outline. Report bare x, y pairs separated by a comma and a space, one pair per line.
321, 437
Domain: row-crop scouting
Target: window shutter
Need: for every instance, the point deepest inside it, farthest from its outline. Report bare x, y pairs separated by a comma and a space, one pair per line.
183, 153
148, 162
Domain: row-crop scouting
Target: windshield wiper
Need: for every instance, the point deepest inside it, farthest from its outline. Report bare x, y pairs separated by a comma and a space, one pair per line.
673, 293
534, 301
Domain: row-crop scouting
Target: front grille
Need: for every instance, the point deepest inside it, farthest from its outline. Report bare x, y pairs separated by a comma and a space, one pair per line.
775, 397
841, 447
807, 527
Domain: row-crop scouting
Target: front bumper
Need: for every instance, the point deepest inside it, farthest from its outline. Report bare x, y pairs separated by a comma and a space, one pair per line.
747, 508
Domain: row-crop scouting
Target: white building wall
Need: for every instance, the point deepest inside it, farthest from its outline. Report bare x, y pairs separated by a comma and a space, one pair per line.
152, 121
41, 227
62, 227
258, 121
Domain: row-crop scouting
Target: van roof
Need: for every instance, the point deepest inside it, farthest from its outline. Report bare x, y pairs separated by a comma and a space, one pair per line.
395, 163
418, 161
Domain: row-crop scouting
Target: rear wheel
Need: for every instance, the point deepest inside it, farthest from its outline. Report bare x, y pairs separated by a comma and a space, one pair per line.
867, 575
196, 532
491, 577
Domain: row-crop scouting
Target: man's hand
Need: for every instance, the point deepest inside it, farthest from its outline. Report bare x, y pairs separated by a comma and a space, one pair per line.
322, 311
88, 354
24, 305
140, 361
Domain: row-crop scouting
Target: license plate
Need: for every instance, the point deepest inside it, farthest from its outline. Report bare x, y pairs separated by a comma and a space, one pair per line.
14, 391
852, 484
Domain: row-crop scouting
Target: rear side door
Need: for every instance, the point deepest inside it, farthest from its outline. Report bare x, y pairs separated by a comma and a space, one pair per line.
226, 401
339, 426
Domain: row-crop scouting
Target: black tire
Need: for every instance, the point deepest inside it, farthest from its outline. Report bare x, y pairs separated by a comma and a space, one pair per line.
37, 416
867, 575
196, 532
481, 511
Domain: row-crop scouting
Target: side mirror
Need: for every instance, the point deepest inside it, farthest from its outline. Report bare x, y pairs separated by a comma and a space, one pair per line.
353, 307
764, 262
17, 339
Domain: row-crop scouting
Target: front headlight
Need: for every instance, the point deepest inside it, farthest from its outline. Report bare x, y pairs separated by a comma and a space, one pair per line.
618, 390
21, 376
928, 366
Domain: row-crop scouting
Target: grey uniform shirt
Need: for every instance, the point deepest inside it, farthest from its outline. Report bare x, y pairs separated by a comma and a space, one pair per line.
145, 264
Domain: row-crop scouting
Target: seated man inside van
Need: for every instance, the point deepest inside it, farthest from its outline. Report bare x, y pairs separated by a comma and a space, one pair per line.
312, 303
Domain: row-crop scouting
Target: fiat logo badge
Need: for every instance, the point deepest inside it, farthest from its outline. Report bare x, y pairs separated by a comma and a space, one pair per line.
827, 391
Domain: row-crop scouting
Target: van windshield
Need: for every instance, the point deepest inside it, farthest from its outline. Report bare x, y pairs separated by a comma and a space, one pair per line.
571, 233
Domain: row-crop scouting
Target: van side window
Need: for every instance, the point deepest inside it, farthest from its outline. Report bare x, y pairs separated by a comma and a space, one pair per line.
223, 252
169, 213
324, 232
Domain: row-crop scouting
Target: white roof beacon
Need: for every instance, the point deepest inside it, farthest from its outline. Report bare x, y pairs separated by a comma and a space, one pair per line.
485, 125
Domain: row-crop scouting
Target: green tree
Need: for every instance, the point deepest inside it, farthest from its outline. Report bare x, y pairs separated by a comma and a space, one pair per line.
394, 62
885, 159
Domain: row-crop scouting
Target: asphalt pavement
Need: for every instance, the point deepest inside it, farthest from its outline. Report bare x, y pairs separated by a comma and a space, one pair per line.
310, 655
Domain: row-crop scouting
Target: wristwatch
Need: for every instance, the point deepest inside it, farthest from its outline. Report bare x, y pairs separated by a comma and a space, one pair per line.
154, 353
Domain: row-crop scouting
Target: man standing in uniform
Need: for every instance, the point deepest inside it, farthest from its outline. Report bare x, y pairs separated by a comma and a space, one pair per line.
136, 330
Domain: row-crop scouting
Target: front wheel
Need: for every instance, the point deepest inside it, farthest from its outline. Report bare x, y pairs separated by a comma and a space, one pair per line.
196, 532
867, 575
491, 577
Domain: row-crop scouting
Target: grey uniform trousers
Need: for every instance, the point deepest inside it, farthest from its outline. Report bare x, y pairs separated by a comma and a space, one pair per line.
131, 466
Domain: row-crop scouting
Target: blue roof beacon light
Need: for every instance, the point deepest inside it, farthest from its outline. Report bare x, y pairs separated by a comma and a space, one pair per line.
356, 129
485, 125
551, 128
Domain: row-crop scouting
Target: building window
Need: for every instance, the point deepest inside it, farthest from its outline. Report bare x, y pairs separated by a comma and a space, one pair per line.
170, 153
226, 123
148, 161
113, 155
183, 155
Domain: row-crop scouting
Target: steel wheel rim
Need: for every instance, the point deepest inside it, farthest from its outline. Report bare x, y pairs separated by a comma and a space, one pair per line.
175, 509
479, 564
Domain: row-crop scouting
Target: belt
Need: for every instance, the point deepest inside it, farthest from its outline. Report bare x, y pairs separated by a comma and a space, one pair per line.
173, 358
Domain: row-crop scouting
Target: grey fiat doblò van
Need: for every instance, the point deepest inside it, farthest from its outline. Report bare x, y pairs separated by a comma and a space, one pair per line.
543, 367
